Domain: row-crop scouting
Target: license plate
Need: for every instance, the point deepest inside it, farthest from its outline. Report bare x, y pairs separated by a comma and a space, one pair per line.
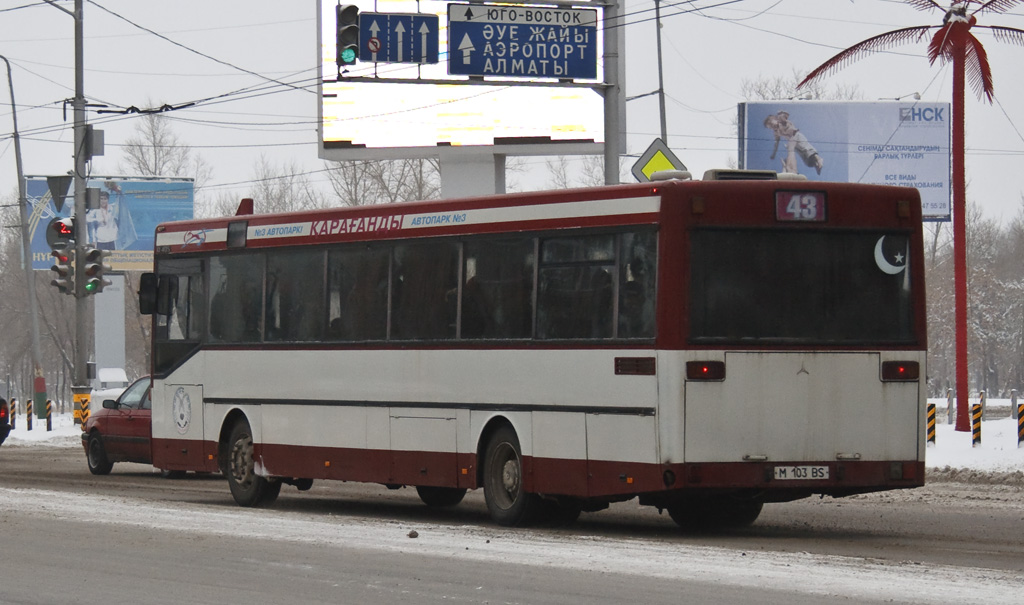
789, 473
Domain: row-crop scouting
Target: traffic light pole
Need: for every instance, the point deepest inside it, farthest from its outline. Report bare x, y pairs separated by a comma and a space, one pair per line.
81, 383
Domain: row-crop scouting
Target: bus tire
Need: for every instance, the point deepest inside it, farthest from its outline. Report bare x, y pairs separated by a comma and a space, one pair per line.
248, 488
440, 497
97, 456
560, 513
715, 513
507, 500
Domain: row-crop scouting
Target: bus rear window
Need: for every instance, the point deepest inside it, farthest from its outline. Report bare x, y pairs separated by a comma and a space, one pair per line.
800, 287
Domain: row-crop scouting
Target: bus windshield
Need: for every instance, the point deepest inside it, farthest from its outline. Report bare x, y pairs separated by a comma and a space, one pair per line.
799, 286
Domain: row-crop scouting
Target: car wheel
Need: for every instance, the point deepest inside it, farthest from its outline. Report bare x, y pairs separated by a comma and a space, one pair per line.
96, 456
248, 488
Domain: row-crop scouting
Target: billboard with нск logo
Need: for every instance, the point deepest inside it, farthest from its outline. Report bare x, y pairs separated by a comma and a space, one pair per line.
879, 143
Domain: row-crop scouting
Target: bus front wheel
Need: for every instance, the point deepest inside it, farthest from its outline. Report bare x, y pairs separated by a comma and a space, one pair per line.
507, 499
248, 488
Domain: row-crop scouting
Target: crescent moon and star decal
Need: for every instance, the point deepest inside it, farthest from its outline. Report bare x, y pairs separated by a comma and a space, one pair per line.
888, 260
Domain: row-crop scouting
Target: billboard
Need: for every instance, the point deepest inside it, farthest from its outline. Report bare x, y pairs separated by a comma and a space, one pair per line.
125, 221
412, 107
881, 143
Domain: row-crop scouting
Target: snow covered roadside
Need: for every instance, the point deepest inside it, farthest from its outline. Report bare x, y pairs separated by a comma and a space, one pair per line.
828, 576
856, 578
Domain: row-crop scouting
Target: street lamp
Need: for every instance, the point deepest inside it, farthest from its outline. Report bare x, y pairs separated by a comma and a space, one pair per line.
38, 380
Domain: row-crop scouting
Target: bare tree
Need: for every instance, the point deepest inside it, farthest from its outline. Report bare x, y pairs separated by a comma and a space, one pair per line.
155, 150
384, 181
774, 88
284, 188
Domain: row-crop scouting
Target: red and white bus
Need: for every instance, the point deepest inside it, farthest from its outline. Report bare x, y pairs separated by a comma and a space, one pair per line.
706, 346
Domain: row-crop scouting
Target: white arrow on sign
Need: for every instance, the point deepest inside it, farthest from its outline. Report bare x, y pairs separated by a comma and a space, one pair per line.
466, 46
374, 30
424, 30
400, 30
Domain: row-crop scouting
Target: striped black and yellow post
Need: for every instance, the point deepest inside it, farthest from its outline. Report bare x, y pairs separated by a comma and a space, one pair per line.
81, 408
28, 415
976, 425
1020, 425
14, 413
49, 415
931, 424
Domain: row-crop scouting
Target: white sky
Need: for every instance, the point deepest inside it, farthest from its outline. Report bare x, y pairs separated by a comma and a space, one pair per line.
707, 55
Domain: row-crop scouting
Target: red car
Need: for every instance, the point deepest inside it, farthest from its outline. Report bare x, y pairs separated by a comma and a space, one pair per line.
5, 420
121, 430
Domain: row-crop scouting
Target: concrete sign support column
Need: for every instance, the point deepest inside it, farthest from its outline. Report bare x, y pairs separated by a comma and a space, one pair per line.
109, 324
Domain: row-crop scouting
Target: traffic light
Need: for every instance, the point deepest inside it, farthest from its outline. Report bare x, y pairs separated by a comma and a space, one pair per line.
347, 33
95, 268
60, 233
62, 266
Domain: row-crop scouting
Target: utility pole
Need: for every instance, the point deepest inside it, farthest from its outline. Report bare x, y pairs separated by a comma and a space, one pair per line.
80, 388
661, 75
81, 154
614, 87
38, 379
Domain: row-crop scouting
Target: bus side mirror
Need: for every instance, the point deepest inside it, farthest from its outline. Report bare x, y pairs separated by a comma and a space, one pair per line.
157, 295
147, 293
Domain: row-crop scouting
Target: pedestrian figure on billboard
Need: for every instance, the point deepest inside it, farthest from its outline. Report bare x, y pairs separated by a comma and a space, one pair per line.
796, 143
102, 223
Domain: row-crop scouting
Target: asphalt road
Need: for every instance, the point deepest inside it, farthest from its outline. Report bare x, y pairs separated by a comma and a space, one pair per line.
134, 536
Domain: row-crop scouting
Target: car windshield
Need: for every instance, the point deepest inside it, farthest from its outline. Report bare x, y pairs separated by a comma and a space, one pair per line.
133, 397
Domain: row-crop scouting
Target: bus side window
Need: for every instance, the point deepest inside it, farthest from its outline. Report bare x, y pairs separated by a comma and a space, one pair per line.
236, 298
357, 282
424, 285
294, 297
497, 291
575, 293
637, 274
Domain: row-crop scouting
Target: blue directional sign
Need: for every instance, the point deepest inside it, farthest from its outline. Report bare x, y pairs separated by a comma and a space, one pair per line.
398, 37
527, 41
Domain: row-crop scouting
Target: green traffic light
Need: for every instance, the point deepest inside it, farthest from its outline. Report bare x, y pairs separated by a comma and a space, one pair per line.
90, 286
348, 55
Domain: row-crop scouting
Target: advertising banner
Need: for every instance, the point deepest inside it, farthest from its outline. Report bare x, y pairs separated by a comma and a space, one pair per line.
881, 143
124, 222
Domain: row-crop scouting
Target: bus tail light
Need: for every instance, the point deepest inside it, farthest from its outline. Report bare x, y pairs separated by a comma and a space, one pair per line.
705, 370
896, 371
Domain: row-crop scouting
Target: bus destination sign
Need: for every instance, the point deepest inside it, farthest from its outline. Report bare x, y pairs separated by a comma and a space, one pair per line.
523, 41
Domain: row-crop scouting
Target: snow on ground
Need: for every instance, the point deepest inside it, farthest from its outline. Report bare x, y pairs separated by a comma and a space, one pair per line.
829, 576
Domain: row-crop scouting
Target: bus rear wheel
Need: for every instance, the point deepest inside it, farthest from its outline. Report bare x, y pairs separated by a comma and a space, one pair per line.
440, 497
715, 513
248, 488
506, 497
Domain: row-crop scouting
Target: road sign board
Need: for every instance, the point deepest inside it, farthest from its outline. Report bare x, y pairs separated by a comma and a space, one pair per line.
528, 41
657, 157
398, 37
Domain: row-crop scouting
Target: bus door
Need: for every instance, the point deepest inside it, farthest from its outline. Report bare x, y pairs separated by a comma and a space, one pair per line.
179, 423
